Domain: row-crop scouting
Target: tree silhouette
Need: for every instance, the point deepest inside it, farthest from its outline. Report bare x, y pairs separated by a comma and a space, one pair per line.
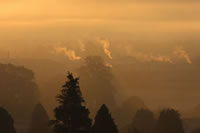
169, 122
144, 121
18, 90
6, 122
97, 82
40, 120
104, 122
128, 110
71, 114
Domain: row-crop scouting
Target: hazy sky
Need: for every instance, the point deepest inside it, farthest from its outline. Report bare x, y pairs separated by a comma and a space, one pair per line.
176, 12
149, 24
149, 30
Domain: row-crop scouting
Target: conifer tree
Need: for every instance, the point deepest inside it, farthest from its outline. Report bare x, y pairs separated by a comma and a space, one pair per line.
40, 120
104, 122
6, 122
71, 114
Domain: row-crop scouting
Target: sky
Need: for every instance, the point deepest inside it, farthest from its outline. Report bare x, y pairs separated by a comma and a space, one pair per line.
149, 30
148, 26
144, 28
174, 14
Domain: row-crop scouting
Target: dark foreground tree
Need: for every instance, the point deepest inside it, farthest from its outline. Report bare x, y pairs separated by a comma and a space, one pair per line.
6, 122
71, 114
144, 121
40, 120
169, 122
104, 122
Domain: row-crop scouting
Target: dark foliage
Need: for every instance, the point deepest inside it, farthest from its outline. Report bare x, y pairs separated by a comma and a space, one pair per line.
104, 122
144, 121
169, 122
6, 122
40, 120
18, 91
71, 114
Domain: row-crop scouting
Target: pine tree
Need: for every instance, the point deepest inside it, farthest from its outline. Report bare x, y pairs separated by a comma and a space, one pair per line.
6, 122
71, 114
169, 122
40, 120
104, 122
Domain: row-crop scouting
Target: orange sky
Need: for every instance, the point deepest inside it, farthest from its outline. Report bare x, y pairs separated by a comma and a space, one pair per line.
122, 10
41, 22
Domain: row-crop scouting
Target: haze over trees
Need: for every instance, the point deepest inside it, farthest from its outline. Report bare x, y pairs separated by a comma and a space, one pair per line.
6, 122
97, 83
40, 121
18, 91
104, 123
169, 122
128, 109
144, 121
71, 114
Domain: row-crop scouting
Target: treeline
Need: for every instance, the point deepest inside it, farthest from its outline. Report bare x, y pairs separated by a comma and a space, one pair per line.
169, 121
72, 116
73, 112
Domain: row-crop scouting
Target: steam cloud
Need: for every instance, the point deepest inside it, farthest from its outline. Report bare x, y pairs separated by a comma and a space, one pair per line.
180, 52
144, 57
108, 65
82, 46
106, 46
152, 58
71, 54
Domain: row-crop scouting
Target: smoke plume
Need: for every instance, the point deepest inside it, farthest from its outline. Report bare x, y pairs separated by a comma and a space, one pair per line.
180, 52
108, 65
145, 57
106, 45
82, 46
71, 54
152, 58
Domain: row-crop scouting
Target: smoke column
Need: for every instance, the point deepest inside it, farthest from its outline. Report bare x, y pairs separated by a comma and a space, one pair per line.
180, 52
106, 45
71, 54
